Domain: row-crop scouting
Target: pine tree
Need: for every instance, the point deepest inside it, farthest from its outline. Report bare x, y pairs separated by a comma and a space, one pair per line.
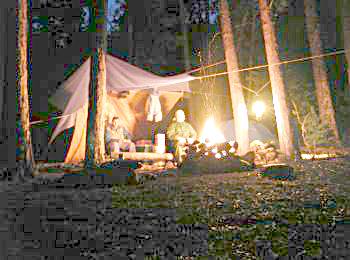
239, 107
282, 112
24, 143
184, 29
95, 151
323, 93
346, 35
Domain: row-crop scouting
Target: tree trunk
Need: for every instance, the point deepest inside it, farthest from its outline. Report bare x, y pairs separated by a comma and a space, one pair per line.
24, 141
239, 107
95, 152
324, 99
3, 14
185, 34
346, 35
282, 113
130, 39
252, 55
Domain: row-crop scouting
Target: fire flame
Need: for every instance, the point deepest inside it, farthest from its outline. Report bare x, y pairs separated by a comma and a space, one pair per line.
211, 134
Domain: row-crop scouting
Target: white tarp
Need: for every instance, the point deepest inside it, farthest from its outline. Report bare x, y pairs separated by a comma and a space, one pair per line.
121, 76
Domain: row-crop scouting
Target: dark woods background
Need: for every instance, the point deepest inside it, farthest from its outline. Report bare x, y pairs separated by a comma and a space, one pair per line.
151, 34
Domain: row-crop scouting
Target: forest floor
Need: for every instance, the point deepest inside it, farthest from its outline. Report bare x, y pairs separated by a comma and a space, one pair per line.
227, 216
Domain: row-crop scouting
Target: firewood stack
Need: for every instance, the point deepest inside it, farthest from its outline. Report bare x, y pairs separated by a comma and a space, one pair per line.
265, 153
223, 157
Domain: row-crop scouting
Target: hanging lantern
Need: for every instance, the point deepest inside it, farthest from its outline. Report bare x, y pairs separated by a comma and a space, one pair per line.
258, 109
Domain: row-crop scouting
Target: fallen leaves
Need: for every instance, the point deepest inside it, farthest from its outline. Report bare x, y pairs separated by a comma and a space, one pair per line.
223, 201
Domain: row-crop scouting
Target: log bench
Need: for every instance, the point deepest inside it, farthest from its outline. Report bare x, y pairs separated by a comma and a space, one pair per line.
141, 156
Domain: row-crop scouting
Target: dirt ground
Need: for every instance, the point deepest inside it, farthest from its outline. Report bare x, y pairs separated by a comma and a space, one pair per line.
221, 215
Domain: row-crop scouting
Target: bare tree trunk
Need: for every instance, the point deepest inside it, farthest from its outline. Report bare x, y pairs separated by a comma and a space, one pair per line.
24, 141
251, 60
324, 99
282, 113
239, 107
185, 34
346, 34
240, 33
130, 39
2, 64
95, 152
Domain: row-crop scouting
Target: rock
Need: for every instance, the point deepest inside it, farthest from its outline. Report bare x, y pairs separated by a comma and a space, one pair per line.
214, 165
278, 171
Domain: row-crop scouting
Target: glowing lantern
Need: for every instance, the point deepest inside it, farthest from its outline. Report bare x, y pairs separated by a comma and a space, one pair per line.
160, 143
259, 109
211, 134
218, 156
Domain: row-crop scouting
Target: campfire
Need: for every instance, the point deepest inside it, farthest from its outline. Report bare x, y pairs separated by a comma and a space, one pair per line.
211, 135
212, 153
217, 157
212, 145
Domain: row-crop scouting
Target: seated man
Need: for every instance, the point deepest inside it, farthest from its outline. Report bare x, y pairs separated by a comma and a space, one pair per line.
180, 133
117, 139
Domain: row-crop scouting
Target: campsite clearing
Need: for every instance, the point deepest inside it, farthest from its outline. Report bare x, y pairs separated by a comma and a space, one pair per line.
241, 211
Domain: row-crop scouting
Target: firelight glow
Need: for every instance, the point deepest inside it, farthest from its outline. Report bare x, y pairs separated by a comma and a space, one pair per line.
306, 156
218, 156
212, 133
259, 109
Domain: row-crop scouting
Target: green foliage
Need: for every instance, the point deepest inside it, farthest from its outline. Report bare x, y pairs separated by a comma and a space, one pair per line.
343, 113
304, 108
279, 7
316, 133
312, 248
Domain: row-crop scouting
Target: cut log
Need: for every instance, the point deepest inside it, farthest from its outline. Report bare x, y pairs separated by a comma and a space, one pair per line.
146, 156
